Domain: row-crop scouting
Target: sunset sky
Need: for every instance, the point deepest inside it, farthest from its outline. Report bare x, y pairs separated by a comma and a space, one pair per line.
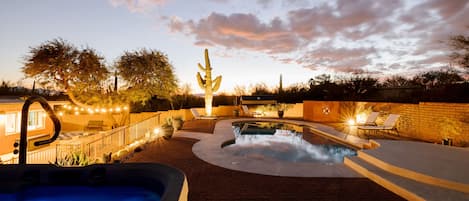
250, 41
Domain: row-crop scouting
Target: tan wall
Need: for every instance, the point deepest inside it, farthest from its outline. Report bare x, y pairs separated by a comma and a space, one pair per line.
321, 111
425, 121
6, 141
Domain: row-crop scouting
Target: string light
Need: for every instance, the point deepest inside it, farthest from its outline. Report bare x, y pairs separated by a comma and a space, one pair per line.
78, 110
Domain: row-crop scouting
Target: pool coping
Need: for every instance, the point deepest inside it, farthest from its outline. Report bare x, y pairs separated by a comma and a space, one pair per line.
209, 149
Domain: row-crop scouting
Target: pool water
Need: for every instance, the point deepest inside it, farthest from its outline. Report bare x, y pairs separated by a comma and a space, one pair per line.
80, 193
282, 141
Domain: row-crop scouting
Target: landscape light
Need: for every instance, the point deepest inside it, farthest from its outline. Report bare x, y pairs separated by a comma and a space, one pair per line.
351, 122
157, 131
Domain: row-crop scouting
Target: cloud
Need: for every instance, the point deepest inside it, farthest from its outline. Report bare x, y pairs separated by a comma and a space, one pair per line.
434, 21
352, 19
342, 35
264, 3
138, 6
337, 59
243, 31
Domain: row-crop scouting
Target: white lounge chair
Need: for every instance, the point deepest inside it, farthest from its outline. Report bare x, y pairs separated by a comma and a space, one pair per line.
196, 115
248, 113
388, 125
371, 119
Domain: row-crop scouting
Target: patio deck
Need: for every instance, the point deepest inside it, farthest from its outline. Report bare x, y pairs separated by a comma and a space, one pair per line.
209, 182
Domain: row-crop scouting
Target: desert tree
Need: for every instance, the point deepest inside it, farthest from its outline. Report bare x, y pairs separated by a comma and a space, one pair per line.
146, 73
397, 81
460, 45
60, 65
87, 81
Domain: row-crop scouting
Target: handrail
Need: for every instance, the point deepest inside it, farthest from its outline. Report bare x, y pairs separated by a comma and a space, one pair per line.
24, 126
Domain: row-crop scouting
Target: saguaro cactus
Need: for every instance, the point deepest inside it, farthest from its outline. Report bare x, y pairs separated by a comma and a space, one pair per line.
208, 84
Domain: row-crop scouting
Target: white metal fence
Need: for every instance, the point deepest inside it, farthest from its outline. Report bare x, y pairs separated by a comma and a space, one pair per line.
110, 142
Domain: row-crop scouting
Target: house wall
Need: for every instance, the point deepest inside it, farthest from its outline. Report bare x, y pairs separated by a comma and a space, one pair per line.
7, 140
424, 121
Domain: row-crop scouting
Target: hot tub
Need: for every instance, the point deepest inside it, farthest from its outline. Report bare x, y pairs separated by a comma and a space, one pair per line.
132, 181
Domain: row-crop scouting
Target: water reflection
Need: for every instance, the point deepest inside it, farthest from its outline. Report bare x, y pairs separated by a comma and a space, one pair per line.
285, 145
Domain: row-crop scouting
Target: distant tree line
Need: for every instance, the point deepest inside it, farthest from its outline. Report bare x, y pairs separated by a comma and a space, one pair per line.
8, 89
441, 86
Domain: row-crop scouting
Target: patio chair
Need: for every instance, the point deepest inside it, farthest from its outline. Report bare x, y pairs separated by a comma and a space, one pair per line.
248, 113
388, 125
371, 119
196, 115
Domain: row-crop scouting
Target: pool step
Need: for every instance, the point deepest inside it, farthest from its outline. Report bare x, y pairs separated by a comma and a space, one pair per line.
407, 188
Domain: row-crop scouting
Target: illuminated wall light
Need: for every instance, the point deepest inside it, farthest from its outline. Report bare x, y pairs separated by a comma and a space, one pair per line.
82, 109
118, 109
61, 114
110, 110
76, 108
77, 113
126, 108
351, 122
103, 110
96, 110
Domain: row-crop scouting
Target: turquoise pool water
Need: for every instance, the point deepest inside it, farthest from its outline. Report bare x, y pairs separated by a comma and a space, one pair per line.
285, 142
82, 193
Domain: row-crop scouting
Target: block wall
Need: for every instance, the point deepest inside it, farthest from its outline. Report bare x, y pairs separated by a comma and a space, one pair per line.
424, 121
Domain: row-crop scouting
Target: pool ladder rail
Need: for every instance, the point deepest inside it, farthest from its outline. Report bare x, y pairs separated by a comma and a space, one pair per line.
23, 144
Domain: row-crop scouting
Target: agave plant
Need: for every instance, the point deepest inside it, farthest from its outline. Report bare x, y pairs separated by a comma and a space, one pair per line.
77, 158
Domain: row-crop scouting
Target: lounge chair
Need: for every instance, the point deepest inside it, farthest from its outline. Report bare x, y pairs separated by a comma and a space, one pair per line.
388, 125
196, 115
248, 113
371, 119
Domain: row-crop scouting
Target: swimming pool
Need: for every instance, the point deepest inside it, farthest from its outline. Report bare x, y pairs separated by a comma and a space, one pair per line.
135, 181
213, 150
261, 140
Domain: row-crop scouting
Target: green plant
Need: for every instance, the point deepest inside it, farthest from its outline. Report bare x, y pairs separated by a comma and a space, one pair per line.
207, 84
167, 128
449, 127
178, 122
77, 158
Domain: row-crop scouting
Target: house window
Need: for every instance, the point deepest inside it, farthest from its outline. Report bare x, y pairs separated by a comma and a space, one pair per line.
36, 120
11, 123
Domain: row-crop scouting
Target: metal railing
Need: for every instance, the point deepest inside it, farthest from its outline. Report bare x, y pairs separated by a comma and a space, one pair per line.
110, 142
113, 140
42, 156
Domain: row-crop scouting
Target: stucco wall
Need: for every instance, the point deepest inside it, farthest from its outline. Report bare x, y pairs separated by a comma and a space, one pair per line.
7, 140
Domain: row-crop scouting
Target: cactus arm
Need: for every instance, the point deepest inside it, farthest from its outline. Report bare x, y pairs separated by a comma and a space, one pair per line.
201, 67
200, 81
217, 83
